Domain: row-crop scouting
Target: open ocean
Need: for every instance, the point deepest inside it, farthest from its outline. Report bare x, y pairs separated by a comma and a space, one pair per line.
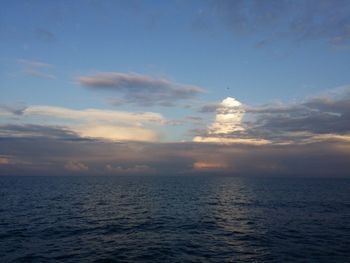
174, 219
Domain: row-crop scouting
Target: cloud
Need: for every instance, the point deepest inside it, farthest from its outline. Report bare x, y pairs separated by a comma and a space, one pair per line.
10, 161
307, 138
118, 133
211, 165
54, 156
228, 121
75, 166
135, 169
209, 108
228, 118
87, 123
325, 114
37, 131
5, 161
275, 20
95, 115
16, 109
140, 89
36, 68
228, 140
33, 63
320, 117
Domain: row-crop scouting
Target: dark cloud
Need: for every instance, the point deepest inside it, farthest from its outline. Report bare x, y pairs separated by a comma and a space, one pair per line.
13, 109
281, 19
318, 115
209, 108
53, 156
140, 89
216, 107
38, 131
195, 118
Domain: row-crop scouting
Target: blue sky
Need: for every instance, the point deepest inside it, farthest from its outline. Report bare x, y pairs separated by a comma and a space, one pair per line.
89, 66
160, 38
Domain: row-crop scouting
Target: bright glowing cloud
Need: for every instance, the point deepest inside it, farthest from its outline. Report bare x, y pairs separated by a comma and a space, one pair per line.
223, 140
95, 115
316, 119
114, 132
228, 120
228, 117
95, 123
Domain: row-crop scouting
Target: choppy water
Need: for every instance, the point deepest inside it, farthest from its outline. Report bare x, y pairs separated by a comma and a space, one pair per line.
174, 219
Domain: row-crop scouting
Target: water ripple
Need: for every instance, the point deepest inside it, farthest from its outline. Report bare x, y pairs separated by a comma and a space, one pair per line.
173, 219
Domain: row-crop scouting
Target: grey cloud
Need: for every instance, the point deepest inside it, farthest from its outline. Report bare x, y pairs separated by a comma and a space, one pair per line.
13, 109
140, 89
195, 118
209, 108
51, 156
327, 114
297, 20
322, 114
218, 107
37, 131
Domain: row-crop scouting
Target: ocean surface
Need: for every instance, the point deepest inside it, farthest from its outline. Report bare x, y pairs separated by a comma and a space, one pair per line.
174, 219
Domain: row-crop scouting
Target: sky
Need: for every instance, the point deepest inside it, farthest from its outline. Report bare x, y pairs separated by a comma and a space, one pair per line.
246, 88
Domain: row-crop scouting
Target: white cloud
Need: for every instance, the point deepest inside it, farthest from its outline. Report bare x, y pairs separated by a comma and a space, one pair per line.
224, 140
96, 123
228, 117
228, 120
95, 115
118, 133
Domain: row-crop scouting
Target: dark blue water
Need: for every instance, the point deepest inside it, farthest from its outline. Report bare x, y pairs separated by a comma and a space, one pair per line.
174, 219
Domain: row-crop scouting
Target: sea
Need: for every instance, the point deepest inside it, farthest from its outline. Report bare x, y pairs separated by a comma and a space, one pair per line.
174, 219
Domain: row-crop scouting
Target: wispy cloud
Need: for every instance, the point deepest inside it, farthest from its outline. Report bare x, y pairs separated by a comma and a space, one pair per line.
36, 68
16, 109
37, 131
140, 89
